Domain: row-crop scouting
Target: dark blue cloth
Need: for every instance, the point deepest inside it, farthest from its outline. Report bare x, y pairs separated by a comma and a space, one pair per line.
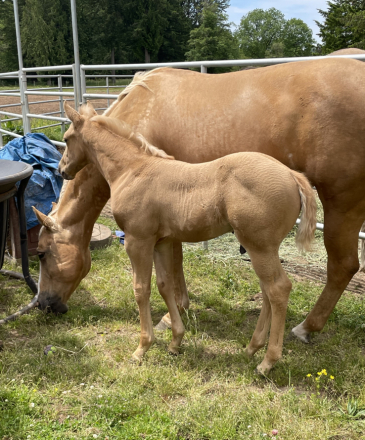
45, 183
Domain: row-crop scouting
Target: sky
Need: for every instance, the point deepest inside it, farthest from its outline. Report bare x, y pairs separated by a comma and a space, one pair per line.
306, 10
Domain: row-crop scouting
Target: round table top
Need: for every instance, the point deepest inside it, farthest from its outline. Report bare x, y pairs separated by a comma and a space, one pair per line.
12, 172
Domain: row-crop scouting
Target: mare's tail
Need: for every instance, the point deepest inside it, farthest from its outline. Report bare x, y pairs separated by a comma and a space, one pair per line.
307, 225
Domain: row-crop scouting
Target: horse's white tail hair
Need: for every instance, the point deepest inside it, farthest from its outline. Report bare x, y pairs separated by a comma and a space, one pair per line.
362, 262
307, 225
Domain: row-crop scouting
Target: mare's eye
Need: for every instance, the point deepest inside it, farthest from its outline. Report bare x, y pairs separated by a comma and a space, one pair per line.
41, 255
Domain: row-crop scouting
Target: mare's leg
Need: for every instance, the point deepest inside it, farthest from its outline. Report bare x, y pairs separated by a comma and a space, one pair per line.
276, 288
179, 285
141, 256
163, 256
341, 231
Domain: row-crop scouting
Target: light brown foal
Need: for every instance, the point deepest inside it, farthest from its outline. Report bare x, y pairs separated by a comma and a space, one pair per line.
157, 201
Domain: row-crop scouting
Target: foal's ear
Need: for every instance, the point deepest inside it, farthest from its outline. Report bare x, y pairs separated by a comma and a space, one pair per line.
48, 222
91, 110
72, 115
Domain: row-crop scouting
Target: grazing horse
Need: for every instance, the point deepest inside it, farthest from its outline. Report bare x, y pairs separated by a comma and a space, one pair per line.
309, 115
157, 201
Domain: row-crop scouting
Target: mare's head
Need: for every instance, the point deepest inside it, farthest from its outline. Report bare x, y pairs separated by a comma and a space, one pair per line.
64, 262
74, 158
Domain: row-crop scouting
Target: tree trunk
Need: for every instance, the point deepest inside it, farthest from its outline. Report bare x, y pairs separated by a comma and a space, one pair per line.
113, 62
147, 56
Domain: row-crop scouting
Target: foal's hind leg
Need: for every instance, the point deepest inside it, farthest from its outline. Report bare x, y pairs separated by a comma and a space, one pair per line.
179, 285
276, 288
163, 256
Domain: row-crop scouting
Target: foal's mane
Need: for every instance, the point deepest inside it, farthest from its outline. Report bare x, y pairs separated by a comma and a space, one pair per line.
124, 130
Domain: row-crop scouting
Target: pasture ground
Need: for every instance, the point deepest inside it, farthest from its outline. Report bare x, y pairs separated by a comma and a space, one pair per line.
89, 388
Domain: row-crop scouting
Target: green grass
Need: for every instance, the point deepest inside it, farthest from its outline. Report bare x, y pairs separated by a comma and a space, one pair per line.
89, 389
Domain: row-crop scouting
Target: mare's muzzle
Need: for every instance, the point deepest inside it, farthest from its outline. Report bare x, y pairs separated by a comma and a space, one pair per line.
52, 304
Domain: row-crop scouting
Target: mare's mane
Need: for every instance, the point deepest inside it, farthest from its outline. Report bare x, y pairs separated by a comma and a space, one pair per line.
139, 79
124, 130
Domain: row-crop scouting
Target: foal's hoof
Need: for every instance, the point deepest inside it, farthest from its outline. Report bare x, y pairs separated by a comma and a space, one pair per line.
301, 333
136, 358
262, 370
247, 355
173, 350
163, 325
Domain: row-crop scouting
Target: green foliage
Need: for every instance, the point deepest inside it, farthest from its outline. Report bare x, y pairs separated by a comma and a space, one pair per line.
343, 26
213, 39
266, 33
354, 410
11, 126
46, 32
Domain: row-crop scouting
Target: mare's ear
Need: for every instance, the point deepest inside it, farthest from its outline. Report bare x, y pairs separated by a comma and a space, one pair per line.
48, 222
72, 115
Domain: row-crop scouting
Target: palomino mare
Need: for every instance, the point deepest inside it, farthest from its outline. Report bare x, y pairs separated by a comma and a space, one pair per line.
309, 115
156, 201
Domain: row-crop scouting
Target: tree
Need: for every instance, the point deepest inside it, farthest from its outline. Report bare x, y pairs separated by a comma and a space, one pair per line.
8, 46
344, 25
258, 31
266, 33
213, 39
46, 33
297, 39
193, 9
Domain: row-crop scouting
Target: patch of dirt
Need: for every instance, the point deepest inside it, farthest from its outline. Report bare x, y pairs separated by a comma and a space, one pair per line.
45, 107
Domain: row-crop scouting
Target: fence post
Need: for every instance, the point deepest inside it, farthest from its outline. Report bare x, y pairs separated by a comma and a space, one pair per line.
24, 101
83, 84
107, 89
203, 69
61, 104
76, 87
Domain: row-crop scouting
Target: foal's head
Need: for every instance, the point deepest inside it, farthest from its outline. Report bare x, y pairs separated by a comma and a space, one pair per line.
74, 157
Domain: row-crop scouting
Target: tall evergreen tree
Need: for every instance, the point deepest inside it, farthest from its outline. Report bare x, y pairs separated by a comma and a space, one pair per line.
343, 25
213, 39
46, 33
8, 52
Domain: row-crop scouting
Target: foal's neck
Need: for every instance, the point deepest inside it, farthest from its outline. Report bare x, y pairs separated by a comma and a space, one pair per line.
83, 201
113, 154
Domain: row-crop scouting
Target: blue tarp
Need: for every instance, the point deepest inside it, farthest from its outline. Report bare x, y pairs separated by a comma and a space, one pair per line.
45, 183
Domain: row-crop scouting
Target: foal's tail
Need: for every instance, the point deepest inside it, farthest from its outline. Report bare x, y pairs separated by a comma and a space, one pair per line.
307, 225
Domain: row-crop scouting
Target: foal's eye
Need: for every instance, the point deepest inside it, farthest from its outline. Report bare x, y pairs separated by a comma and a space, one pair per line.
41, 255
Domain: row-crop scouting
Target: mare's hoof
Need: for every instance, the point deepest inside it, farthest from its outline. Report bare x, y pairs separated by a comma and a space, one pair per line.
301, 334
162, 326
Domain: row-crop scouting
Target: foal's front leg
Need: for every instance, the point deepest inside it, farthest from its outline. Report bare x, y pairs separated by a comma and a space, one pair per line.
140, 253
163, 257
